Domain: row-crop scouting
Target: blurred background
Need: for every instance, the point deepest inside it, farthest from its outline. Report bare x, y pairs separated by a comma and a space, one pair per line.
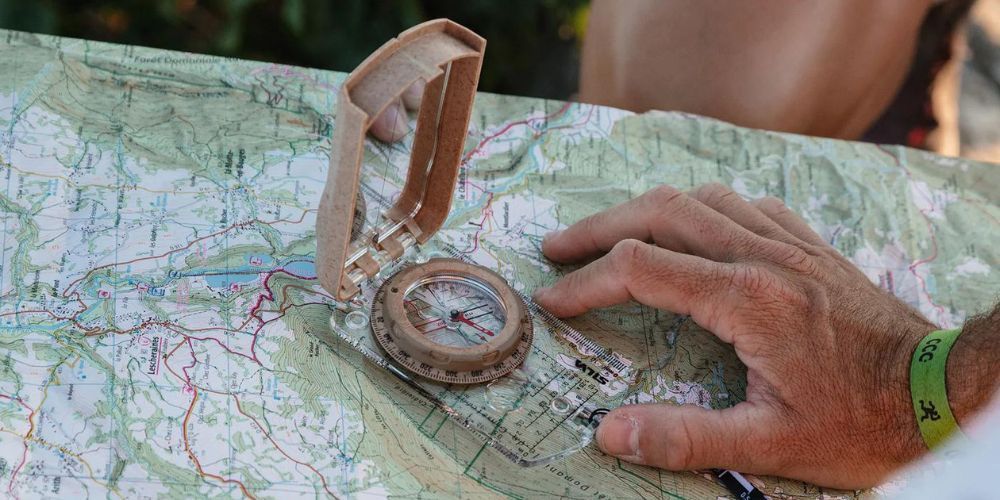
534, 45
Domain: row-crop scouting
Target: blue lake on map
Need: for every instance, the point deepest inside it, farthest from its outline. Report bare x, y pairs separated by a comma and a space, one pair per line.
223, 278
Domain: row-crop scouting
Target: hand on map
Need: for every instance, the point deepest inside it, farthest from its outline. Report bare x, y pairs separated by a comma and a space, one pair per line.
392, 125
827, 351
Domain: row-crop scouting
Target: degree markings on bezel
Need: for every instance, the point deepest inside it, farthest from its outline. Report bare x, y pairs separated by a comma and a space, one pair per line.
510, 344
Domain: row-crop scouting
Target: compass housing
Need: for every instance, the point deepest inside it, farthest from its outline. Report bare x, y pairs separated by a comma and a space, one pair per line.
410, 347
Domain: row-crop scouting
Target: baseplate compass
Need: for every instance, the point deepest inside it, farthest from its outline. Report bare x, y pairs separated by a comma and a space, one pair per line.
464, 341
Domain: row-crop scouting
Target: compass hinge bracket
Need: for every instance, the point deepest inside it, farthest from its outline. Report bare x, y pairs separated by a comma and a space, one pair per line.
386, 246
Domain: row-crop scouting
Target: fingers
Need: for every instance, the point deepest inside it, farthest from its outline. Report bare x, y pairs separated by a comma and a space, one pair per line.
663, 215
775, 210
654, 276
688, 437
727, 202
413, 95
391, 125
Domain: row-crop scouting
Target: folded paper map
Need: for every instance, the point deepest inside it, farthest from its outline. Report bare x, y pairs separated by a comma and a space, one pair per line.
159, 308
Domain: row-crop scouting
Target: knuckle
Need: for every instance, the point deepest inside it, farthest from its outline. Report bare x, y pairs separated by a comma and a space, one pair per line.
590, 227
663, 195
768, 298
742, 277
627, 256
715, 194
749, 279
679, 446
738, 243
631, 263
771, 205
831, 253
795, 259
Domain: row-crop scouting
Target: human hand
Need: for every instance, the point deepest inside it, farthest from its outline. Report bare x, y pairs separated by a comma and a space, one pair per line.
827, 352
392, 125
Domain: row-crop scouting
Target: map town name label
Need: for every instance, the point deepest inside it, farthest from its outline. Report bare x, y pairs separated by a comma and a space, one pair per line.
153, 367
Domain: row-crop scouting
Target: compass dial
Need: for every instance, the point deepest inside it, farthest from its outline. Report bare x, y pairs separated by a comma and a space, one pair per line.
454, 311
451, 321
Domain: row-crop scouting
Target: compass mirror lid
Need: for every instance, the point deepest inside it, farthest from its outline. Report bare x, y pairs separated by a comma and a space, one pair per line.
355, 239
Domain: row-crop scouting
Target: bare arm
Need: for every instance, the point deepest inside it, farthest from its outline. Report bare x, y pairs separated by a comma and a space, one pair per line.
818, 67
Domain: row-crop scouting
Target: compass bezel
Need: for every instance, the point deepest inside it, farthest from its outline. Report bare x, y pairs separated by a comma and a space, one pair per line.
409, 347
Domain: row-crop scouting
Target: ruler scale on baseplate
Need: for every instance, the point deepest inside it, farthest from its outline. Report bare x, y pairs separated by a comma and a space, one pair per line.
455, 332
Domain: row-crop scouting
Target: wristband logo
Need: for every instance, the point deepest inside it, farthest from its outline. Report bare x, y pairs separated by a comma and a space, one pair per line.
927, 351
930, 411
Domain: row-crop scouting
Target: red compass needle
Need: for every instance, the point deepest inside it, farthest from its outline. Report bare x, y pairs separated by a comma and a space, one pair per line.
461, 317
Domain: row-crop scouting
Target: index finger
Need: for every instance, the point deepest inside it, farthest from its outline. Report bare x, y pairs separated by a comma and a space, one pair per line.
653, 276
663, 215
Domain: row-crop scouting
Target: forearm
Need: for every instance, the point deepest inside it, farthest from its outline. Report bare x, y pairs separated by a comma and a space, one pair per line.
973, 370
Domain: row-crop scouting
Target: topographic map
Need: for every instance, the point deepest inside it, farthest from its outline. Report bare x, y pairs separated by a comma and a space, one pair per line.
159, 311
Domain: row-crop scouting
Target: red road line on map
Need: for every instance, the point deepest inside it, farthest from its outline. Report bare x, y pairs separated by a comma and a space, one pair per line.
174, 328
27, 436
191, 455
930, 230
254, 311
186, 378
217, 341
271, 439
269, 295
487, 210
281, 313
187, 417
24, 454
17, 400
511, 125
282, 307
267, 290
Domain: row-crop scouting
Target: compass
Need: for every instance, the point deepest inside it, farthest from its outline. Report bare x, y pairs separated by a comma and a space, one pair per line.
451, 321
444, 319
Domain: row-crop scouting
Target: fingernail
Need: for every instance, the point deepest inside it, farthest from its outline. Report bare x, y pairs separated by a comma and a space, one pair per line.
540, 293
551, 234
618, 435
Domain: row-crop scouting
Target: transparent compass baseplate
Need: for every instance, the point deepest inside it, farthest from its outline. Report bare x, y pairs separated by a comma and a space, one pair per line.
544, 411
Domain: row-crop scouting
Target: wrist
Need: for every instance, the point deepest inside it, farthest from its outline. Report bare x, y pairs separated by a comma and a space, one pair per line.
901, 441
929, 388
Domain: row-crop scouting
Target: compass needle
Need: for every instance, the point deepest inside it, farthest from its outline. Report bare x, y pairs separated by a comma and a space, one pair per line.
482, 328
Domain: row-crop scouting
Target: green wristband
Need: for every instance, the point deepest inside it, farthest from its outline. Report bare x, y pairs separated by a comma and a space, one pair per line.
928, 388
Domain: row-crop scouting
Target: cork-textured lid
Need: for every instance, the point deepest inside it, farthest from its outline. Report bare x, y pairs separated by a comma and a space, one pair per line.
448, 57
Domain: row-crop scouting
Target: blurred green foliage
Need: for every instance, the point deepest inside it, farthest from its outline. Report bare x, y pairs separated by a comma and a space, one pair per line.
533, 45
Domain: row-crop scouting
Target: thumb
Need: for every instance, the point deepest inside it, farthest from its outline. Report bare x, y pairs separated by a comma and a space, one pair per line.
684, 437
